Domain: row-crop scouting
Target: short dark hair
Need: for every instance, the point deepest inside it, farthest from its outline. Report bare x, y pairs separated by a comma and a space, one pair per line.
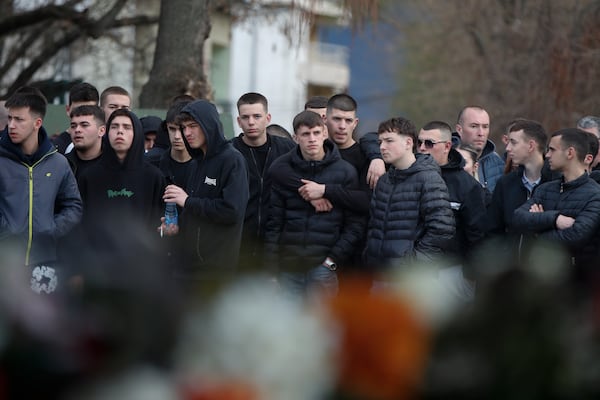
343, 102
532, 130
24, 97
278, 130
307, 118
576, 138
316, 102
175, 110
113, 90
120, 112
182, 97
470, 150
443, 127
83, 92
400, 125
94, 111
253, 98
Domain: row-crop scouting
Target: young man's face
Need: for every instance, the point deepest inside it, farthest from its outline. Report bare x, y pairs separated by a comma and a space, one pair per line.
474, 128
120, 134
114, 102
175, 136
394, 147
85, 132
194, 135
430, 142
253, 120
341, 125
22, 125
310, 141
518, 147
556, 155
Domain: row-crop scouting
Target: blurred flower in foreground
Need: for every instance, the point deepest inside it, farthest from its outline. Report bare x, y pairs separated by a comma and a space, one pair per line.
384, 346
253, 337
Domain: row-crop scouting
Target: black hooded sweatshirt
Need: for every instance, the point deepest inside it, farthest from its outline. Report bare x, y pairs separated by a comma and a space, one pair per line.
213, 215
123, 202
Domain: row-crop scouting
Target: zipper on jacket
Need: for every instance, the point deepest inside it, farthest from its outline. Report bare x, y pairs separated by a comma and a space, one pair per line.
261, 174
30, 216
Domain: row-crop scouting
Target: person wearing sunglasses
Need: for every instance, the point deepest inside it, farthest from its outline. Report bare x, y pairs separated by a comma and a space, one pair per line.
467, 200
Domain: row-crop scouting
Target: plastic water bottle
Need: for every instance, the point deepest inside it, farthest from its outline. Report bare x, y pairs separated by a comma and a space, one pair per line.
171, 214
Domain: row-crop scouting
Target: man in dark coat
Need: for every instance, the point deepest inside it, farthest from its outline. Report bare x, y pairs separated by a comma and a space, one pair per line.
303, 245
467, 200
566, 211
260, 150
411, 217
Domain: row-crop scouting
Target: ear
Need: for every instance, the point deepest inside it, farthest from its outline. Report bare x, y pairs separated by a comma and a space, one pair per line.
38, 123
268, 118
410, 143
239, 121
102, 131
458, 129
532, 145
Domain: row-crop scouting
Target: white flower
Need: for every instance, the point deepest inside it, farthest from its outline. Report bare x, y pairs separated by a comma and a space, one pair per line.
253, 334
141, 383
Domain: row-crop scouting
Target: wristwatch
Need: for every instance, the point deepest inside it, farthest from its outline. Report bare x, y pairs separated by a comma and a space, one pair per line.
330, 264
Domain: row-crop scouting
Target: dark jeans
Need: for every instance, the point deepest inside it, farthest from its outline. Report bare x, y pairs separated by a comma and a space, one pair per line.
318, 280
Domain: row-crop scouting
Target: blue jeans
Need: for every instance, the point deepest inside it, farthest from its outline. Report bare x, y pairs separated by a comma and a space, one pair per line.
319, 280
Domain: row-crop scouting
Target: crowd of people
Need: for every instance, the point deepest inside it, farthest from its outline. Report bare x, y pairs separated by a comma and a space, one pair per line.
304, 208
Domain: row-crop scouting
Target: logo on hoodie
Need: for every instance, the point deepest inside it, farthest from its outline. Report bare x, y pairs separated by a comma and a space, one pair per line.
210, 181
116, 193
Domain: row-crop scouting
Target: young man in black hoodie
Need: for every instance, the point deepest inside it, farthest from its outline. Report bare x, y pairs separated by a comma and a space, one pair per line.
122, 195
260, 150
213, 201
303, 245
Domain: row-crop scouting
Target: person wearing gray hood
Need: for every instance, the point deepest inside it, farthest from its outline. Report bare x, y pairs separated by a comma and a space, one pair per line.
213, 200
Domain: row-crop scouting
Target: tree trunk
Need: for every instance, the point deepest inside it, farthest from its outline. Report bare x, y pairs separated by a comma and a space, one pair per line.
178, 66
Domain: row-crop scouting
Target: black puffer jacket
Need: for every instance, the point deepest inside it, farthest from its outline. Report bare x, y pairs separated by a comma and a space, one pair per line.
297, 237
410, 215
467, 200
579, 199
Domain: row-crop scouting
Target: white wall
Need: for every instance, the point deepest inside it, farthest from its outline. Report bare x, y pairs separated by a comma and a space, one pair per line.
264, 60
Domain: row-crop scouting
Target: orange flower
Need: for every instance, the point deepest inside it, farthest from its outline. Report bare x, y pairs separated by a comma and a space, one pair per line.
219, 391
384, 346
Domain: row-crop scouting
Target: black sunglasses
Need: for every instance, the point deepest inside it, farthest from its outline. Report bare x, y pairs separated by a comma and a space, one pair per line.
429, 143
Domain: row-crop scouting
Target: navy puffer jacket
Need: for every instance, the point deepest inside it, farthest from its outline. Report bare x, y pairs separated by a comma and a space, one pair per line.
578, 199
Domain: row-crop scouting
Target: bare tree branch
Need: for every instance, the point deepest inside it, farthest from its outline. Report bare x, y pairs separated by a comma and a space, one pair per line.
43, 14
